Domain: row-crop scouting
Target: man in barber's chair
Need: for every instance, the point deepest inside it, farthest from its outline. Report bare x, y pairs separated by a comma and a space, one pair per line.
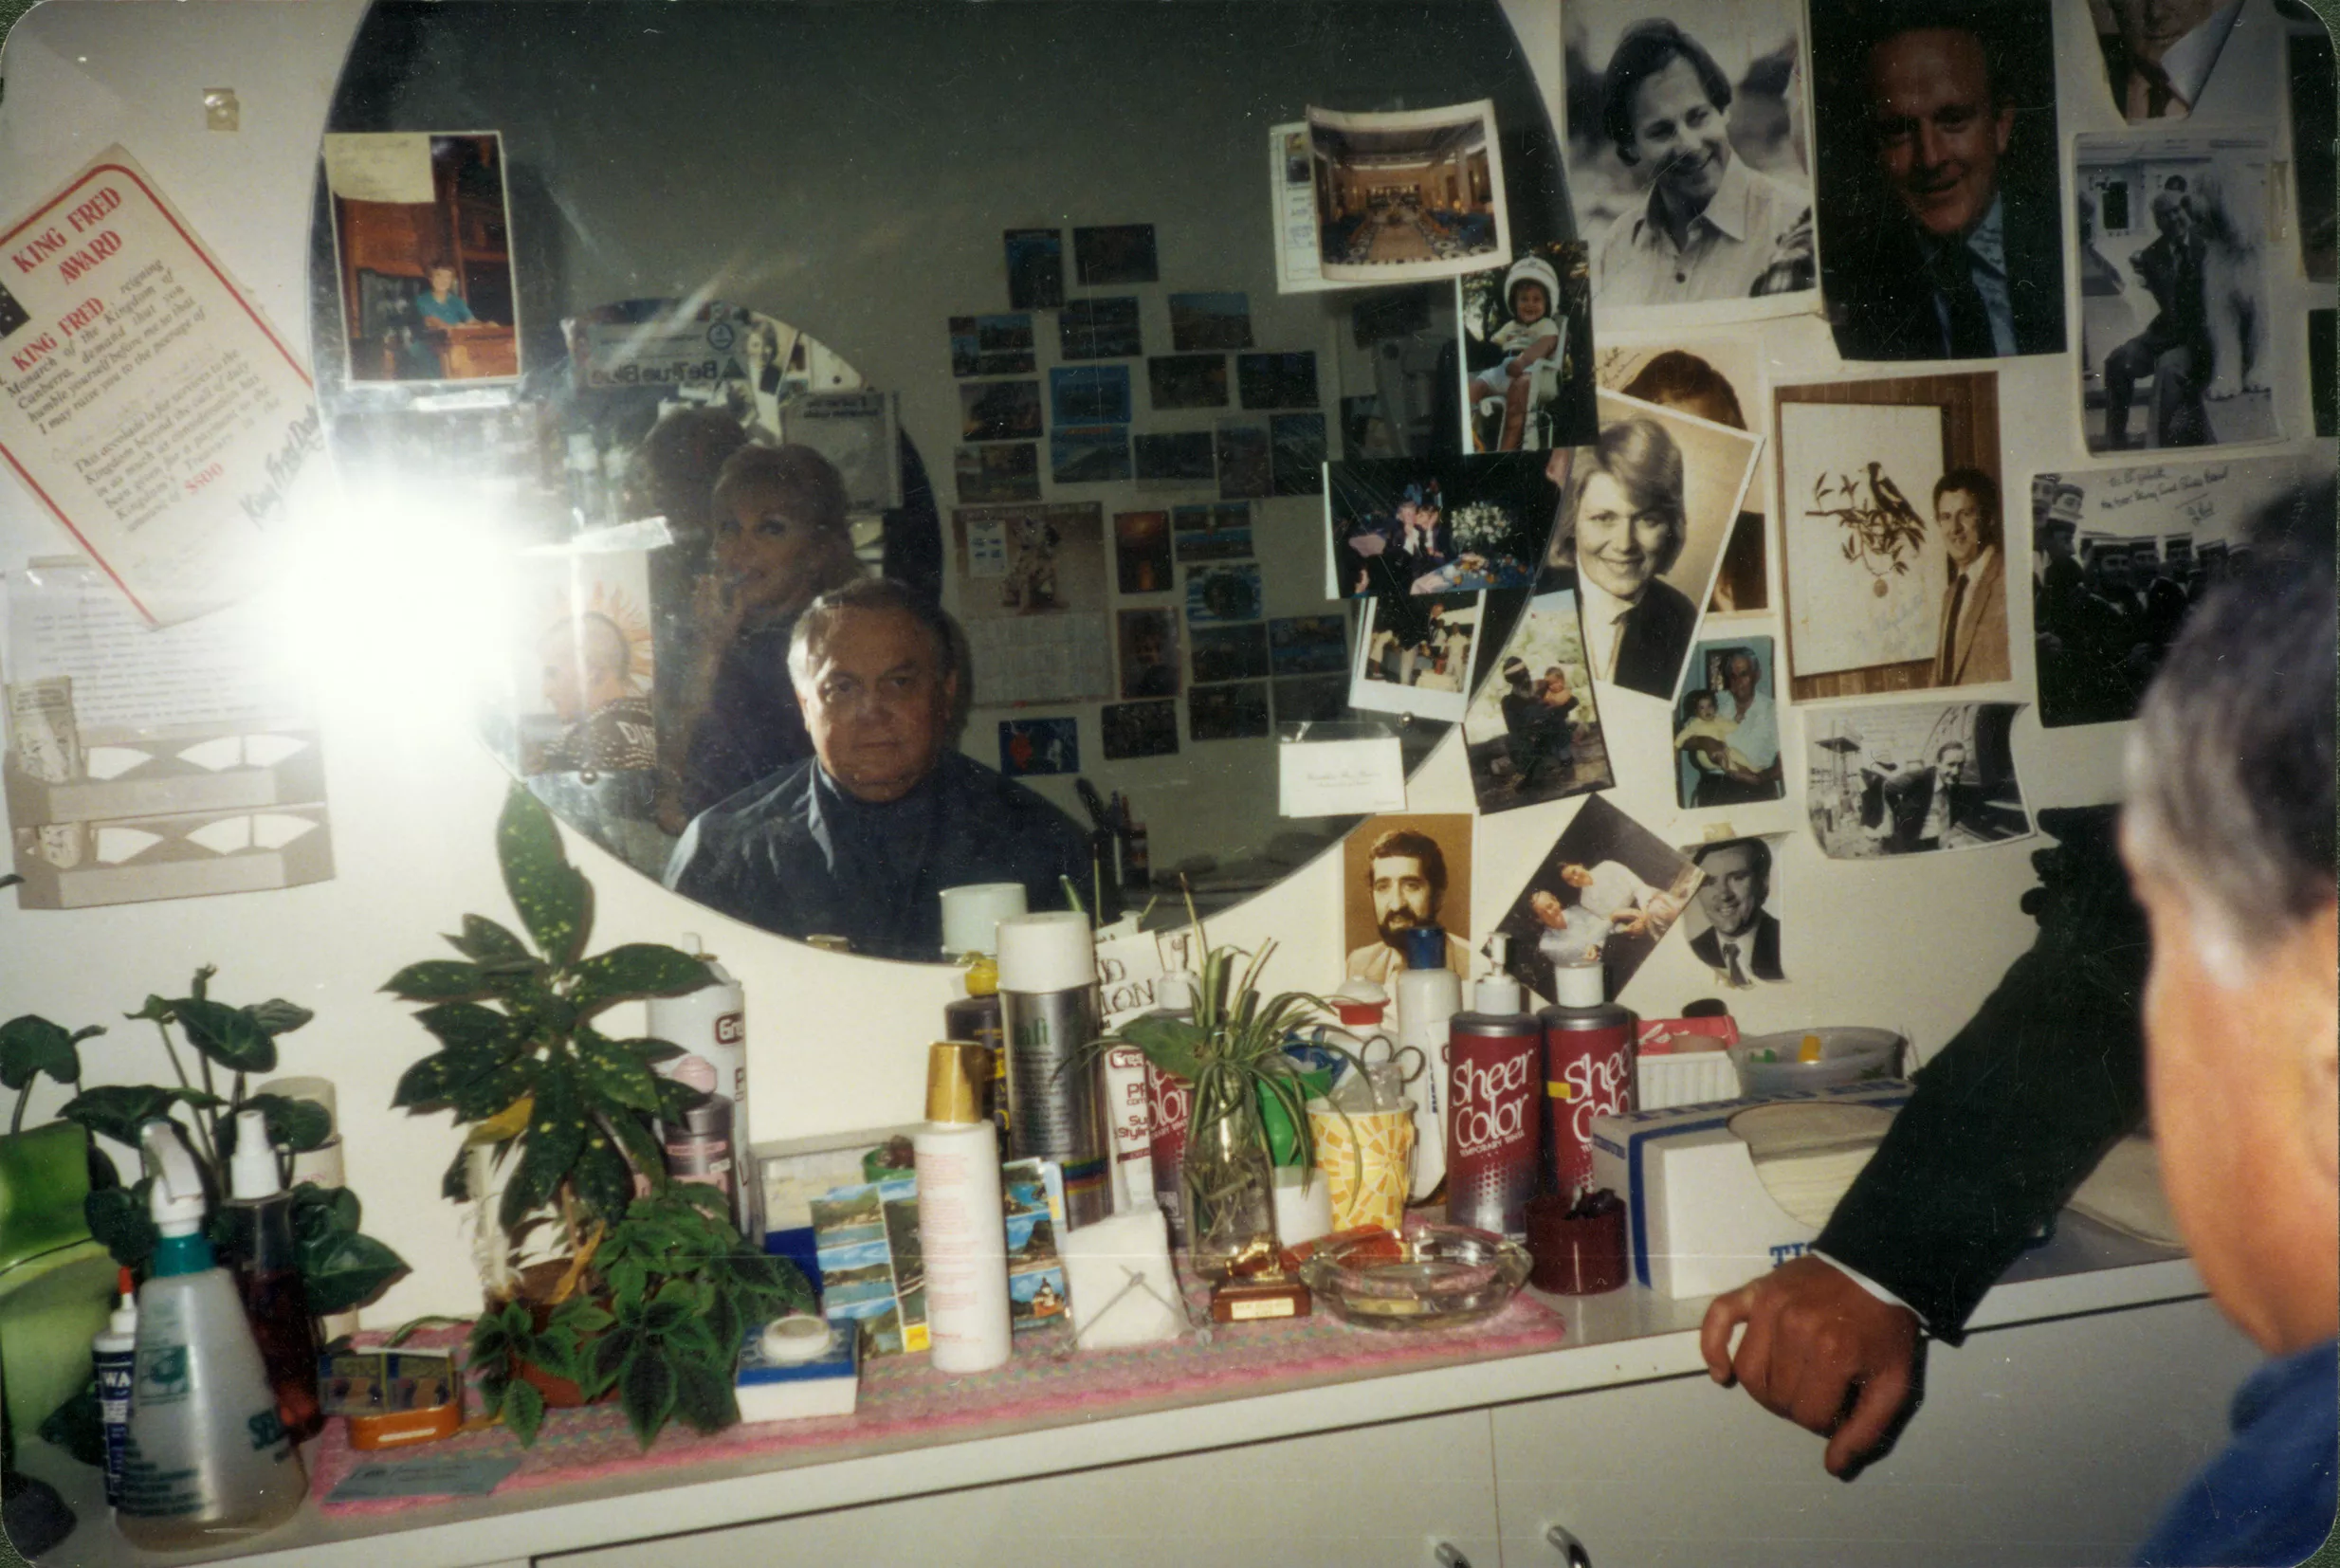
857, 841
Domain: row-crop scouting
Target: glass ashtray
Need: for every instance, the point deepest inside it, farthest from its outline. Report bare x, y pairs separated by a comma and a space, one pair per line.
1443, 1276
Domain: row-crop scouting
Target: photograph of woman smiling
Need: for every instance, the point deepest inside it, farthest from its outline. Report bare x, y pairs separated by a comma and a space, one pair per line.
1643, 514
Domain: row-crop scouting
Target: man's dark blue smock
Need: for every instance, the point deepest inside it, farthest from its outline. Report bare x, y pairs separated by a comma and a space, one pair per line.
2269, 1498
799, 856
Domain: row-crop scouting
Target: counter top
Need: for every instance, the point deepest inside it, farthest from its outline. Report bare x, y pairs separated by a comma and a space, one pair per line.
1625, 1337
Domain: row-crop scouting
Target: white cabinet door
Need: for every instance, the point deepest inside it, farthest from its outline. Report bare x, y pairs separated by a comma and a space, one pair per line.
2053, 1444
1381, 1495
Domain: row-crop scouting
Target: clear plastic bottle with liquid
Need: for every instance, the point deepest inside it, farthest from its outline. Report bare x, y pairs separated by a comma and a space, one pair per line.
208, 1460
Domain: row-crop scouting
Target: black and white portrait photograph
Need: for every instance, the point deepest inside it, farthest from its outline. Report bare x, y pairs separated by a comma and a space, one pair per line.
2175, 324
2119, 559
1716, 378
1532, 731
1727, 727
1912, 779
1687, 157
1892, 528
1941, 226
1609, 889
1527, 360
1734, 922
1415, 655
1642, 523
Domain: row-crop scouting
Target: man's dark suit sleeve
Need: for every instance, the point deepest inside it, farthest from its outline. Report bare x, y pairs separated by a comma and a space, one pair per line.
2019, 1107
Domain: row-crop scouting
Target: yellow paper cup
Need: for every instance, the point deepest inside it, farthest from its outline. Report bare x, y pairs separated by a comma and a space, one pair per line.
1367, 1162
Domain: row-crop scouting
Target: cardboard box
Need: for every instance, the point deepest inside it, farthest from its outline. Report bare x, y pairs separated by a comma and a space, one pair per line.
1698, 1219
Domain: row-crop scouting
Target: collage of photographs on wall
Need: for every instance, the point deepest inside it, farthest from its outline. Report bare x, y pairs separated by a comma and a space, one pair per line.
1753, 447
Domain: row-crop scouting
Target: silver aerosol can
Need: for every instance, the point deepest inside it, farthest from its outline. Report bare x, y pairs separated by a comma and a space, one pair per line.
1050, 1013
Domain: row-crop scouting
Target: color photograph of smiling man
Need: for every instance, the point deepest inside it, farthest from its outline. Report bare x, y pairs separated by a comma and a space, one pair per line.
1939, 215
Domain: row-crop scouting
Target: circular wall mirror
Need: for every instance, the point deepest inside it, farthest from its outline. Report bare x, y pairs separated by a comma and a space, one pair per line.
705, 308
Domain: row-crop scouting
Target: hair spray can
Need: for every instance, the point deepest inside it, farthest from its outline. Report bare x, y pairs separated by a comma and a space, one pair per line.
1050, 1013
710, 1024
1587, 1070
1493, 1054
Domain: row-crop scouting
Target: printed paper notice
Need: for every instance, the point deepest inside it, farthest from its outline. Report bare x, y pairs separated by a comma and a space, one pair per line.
146, 403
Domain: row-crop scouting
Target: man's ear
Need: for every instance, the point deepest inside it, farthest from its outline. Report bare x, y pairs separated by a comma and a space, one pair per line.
2004, 127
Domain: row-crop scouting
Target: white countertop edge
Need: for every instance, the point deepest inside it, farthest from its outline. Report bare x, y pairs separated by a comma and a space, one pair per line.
555, 1520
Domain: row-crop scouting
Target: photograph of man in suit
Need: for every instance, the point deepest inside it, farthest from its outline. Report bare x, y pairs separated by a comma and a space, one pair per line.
1946, 244
1741, 939
1974, 606
1622, 525
2174, 349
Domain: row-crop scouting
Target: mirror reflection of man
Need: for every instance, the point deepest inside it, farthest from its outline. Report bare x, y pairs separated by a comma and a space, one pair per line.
1973, 642
860, 840
1405, 874
2160, 60
1741, 939
1713, 228
587, 683
1967, 262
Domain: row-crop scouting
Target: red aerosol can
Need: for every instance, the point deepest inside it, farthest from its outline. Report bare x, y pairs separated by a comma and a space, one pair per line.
1587, 1070
1494, 1054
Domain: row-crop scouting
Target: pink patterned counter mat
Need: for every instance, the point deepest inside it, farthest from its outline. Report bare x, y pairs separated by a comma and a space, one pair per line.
906, 1403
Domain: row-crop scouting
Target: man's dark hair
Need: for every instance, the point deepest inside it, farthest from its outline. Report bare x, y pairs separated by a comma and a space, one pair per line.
1422, 847
2230, 769
1758, 860
1984, 490
1647, 48
875, 595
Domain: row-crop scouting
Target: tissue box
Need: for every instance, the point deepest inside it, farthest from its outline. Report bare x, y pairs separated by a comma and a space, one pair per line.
776, 1391
1698, 1219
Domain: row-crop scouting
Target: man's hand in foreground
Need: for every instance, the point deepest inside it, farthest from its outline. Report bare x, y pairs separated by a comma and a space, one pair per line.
1822, 1352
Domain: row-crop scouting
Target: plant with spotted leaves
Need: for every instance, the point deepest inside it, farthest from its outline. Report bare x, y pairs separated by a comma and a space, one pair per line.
522, 1063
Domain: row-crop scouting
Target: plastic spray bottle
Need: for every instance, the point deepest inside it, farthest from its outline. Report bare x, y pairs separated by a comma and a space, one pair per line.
208, 1460
258, 1230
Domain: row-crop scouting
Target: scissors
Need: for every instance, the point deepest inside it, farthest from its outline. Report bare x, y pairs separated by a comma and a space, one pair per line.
1397, 1057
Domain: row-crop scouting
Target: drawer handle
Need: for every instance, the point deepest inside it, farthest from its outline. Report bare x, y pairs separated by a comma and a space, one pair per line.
1558, 1540
1449, 1557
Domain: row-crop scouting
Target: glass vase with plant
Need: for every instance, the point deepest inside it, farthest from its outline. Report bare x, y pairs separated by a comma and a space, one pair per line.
1231, 1056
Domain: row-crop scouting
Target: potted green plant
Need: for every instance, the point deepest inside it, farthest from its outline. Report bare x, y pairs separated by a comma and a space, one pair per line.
1231, 1057
342, 1268
590, 1289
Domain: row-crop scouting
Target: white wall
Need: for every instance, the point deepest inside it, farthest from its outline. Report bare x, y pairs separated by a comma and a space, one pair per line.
835, 1042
